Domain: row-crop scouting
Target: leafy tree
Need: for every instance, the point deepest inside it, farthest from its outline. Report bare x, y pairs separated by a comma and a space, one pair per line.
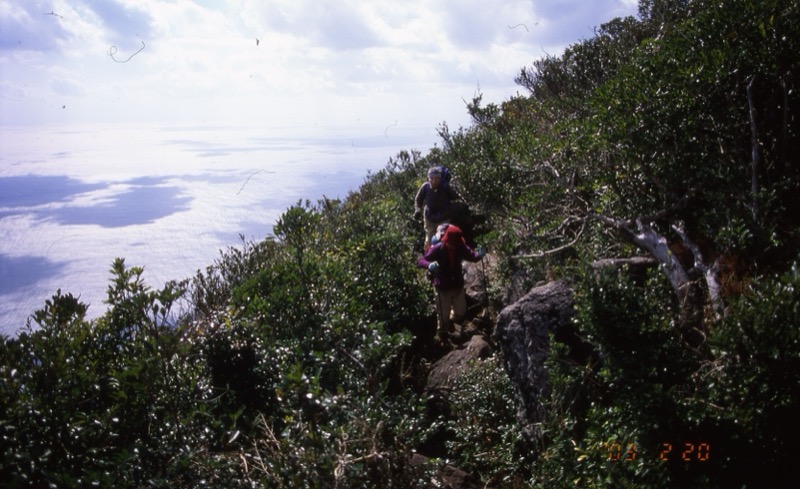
669, 141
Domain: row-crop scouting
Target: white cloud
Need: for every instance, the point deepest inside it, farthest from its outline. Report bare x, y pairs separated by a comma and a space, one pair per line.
27, 28
68, 87
270, 61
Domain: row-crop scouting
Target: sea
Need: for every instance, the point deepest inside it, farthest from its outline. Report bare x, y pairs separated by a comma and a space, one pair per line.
168, 199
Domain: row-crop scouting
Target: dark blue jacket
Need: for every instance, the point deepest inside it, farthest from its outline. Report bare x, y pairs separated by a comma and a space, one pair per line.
436, 201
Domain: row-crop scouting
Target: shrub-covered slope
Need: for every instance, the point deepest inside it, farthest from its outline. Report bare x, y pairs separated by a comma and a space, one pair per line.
299, 361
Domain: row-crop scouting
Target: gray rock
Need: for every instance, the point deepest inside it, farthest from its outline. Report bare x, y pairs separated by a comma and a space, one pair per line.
448, 368
523, 335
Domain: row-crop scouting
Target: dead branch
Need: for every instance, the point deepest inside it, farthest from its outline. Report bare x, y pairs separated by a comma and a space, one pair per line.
633, 261
552, 251
710, 273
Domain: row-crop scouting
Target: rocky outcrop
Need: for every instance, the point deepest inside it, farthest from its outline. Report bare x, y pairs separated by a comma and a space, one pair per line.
523, 334
476, 279
442, 381
448, 368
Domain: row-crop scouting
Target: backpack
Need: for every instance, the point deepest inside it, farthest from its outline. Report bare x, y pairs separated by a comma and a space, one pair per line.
446, 175
439, 234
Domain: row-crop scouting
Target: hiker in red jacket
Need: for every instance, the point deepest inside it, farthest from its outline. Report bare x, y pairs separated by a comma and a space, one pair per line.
443, 261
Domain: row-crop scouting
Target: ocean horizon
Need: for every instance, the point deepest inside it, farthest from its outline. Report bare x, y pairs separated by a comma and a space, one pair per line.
168, 199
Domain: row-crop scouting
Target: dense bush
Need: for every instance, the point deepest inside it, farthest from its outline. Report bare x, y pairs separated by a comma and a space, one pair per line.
750, 394
649, 410
613, 413
487, 439
116, 401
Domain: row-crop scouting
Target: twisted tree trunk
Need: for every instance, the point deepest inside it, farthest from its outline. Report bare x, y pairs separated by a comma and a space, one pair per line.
690, 296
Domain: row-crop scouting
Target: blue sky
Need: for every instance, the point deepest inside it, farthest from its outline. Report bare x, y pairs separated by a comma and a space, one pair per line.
275, 62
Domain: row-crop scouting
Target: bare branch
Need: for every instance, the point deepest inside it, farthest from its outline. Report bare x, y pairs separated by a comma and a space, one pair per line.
614, 223
625, 225
635, 261
710, 273
646, 238
554, 250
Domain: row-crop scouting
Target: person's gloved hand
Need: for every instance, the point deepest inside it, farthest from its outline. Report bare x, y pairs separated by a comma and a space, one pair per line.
433, 267
481, 251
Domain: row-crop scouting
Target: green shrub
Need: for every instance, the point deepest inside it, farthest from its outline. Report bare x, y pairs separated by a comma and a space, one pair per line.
487, 438
107, 402
751, 396
609, 416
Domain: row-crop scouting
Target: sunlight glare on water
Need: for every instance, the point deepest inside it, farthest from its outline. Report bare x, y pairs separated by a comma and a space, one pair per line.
167, 199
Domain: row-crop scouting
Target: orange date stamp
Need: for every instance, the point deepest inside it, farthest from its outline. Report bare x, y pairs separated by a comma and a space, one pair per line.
682, 451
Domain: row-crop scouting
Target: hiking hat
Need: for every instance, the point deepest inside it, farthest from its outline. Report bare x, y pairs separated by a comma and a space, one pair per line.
435, 171
453, 236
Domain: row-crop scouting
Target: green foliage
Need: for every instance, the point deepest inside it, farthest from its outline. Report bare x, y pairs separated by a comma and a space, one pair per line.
131, 399
109, 402
211, 289
488, 440
647, 409
613, 411
675, 123
308, 337
751, 395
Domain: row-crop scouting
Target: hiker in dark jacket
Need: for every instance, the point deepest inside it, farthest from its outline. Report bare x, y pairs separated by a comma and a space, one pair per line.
433, 202
443, 261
